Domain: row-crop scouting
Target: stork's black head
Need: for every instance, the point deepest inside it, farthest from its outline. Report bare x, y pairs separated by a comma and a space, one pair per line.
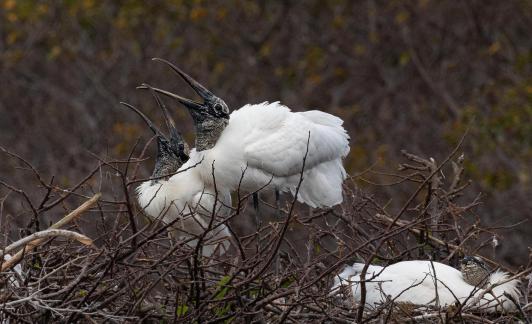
473, 262
210, 117
172, 152
474, 271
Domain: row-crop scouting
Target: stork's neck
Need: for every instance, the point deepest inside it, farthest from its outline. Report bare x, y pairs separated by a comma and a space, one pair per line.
208, 131
162, 172
165, 165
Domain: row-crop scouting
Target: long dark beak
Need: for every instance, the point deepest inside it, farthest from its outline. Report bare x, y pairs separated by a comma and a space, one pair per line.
198, 87
154, 128
203, 92
175, 136
187, 102
170, 123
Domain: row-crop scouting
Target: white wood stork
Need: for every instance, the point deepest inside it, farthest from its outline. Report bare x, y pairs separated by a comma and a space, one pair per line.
264, 145
423, 282
175, 190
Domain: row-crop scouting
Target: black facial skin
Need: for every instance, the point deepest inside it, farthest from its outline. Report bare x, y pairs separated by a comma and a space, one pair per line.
210, 117
170, 157
172, 152
474, 271
218, 108
467, 260
213, 108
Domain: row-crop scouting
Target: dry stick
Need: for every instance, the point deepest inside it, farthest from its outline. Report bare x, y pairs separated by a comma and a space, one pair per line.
69, 191
401, 223
458, 248
62, 222
46, 234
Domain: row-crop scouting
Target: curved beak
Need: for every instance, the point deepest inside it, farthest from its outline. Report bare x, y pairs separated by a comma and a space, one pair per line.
176, 143
198, 87
175, 136
187, 102
170, 123
148, 122
203, 92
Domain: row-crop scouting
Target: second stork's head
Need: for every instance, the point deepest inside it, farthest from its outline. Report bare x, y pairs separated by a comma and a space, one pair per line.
210, 117
172, 151
474, 271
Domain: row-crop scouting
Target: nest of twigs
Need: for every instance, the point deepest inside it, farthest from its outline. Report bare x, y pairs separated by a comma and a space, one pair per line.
279, 269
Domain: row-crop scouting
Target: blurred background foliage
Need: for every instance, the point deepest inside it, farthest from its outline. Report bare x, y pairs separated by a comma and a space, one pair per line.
402, 74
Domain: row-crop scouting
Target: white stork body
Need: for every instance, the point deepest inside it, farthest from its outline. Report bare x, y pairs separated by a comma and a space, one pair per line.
414, 282
265, 144
185, 196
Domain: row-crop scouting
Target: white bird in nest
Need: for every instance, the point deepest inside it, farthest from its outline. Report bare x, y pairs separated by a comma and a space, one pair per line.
175, 192
264, 146
422, 282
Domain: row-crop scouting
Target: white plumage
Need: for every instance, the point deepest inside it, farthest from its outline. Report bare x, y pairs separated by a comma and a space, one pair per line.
185, 196
416, 282
266, 144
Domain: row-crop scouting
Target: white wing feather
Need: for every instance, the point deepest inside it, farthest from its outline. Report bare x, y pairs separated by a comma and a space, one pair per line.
278, 140
269, 143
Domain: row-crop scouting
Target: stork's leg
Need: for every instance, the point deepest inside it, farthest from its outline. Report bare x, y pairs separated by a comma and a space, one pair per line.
256, 202
278, 202
258, 222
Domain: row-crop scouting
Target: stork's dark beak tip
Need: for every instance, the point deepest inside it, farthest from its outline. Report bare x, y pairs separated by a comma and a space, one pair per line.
201, 90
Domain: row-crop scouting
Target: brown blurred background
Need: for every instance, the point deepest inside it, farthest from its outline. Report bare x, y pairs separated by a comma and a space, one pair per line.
402, 74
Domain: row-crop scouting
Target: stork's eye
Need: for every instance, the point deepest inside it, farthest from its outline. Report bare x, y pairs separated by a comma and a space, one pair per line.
219, 109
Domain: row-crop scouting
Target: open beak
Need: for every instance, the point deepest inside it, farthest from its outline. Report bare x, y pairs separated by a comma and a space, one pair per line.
203, 92
154, 128
170, 123
175, 136
176, 140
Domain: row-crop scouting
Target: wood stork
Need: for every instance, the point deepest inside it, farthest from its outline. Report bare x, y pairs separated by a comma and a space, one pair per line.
175, 191
264, 145
422, 282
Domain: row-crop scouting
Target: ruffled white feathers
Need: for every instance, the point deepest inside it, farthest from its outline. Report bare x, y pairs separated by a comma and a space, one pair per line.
265, 145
